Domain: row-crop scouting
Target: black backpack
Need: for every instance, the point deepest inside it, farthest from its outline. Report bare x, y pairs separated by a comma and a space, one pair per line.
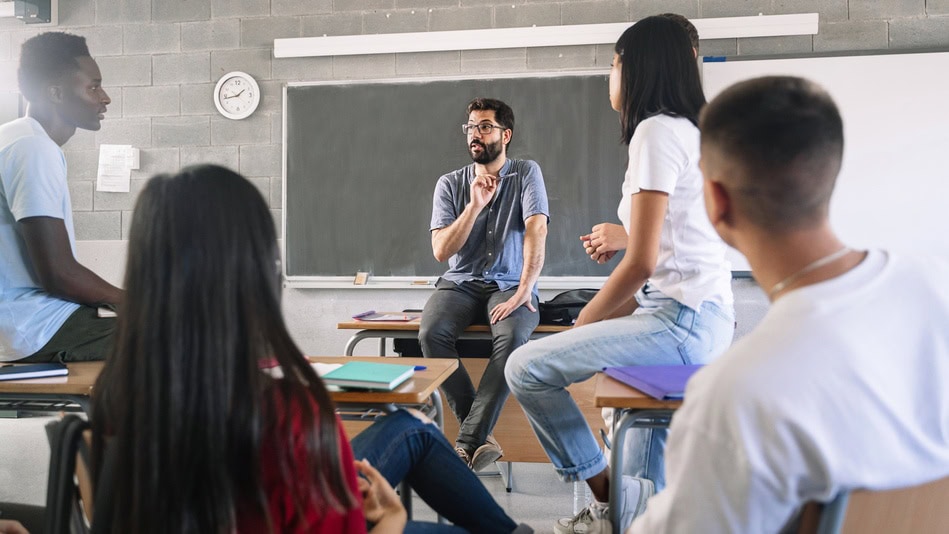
564, 308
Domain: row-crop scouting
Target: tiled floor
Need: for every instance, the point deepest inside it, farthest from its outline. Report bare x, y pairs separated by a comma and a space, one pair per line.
538, 496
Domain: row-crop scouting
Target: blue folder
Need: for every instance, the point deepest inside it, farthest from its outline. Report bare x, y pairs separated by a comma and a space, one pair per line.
664, 382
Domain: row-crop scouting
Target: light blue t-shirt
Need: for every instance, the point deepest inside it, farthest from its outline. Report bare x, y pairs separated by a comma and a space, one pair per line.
494, 251
32, 184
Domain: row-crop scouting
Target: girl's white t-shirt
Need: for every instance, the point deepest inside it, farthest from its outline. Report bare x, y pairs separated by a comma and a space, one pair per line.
691, 267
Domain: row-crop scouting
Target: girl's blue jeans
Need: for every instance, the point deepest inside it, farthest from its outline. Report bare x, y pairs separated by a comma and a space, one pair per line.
402, 447
661, 331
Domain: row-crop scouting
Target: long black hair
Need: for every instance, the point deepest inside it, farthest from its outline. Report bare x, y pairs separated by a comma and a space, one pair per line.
659, 73
181, 402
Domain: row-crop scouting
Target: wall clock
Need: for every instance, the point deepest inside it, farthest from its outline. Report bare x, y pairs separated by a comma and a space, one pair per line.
236, 95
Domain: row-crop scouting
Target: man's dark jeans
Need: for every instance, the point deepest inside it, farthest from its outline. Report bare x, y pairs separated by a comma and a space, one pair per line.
447, 313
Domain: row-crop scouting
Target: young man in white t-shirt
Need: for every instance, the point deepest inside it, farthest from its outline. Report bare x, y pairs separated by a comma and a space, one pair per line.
843, 383
48, 300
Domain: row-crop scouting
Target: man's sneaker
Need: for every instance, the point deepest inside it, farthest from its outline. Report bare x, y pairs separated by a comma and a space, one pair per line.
595, 519
486, 454
463, 455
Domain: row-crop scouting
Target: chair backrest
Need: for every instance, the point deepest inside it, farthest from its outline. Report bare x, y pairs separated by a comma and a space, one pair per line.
922, 508
69, 487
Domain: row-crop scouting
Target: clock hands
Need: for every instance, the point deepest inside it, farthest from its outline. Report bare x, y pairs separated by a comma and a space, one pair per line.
235, 95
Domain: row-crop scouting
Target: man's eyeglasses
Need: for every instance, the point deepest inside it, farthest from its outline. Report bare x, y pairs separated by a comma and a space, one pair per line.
484, 128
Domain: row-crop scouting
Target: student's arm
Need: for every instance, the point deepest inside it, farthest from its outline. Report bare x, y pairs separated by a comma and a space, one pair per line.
535, 242
647, 211
47, 244
447, 241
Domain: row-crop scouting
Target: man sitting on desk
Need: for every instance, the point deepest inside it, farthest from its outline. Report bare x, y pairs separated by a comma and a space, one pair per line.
843, 383
489, 220
47, 299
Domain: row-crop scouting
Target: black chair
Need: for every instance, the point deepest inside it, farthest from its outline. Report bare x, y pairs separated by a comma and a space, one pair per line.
69, 489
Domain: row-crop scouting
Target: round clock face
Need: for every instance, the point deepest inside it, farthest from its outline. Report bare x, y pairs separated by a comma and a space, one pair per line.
236, 95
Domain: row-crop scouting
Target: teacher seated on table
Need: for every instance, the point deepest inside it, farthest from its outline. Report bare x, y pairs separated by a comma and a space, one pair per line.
489, 220
194, 437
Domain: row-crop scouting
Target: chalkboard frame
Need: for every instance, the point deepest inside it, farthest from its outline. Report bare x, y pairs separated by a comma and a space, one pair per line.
424, 281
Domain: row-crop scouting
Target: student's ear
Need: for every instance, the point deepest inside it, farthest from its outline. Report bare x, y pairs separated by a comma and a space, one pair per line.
55, 93
506, 136
718, 203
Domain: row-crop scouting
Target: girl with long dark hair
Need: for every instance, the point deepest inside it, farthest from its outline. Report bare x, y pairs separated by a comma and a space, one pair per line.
669, 299
190, 434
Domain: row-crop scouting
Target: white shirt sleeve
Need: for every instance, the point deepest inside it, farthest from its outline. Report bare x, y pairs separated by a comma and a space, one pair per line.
35, 179
656, 159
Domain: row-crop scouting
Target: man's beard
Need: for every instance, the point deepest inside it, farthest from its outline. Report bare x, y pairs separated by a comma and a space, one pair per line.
489, 152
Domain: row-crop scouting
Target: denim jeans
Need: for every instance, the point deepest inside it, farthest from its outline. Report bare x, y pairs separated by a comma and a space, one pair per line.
402, 447
447, 313
660, 332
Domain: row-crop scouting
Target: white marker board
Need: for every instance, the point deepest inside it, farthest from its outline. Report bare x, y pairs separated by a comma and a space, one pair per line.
893, 189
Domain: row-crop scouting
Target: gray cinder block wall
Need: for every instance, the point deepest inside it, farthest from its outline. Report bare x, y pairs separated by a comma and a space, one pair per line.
161, 58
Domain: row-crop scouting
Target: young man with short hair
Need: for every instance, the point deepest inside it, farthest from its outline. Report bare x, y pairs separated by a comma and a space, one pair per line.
843, 383
48, 301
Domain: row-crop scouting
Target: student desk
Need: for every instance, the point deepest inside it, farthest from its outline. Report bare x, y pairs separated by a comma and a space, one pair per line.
634, 409
383, 330
73, 391
420, 392
68, 393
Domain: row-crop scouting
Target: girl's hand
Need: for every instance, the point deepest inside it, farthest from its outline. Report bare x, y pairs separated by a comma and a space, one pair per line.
605, 239
380, 502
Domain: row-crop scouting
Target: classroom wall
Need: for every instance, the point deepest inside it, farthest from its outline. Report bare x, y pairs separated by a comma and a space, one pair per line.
161, 58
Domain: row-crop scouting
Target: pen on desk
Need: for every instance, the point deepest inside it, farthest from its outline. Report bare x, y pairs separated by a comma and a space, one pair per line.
420, 368
364, 314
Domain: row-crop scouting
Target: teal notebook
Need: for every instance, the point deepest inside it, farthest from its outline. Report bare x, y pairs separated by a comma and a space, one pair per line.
369, 375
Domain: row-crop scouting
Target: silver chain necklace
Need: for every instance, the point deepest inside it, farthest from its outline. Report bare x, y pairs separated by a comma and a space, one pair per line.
814, 265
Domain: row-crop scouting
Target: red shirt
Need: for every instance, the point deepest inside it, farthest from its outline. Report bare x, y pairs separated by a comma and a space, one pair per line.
280, 496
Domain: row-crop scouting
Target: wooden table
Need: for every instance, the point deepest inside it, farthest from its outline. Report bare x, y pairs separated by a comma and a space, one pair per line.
383, 330
420, 392
56, 393
634, 409
65, 393
75, 389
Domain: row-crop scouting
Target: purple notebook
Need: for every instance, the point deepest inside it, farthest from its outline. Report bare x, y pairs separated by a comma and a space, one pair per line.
664, 382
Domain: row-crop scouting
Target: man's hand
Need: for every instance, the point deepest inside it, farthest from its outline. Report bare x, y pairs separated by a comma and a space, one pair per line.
380, 501
504, 309
602, 243
8, 526
482, 190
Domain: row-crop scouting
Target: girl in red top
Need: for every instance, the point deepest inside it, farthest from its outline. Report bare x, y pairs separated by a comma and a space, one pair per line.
198, 438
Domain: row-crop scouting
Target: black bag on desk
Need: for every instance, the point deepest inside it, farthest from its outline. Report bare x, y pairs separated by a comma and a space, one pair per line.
564, 308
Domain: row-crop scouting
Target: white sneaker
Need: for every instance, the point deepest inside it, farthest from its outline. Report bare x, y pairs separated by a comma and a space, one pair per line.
595, 519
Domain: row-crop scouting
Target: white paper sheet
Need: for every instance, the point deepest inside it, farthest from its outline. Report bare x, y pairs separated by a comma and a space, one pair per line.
115, 168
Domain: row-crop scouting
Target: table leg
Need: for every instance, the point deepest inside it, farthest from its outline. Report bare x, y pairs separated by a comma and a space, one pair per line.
351, 344
625, 419
622, 424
